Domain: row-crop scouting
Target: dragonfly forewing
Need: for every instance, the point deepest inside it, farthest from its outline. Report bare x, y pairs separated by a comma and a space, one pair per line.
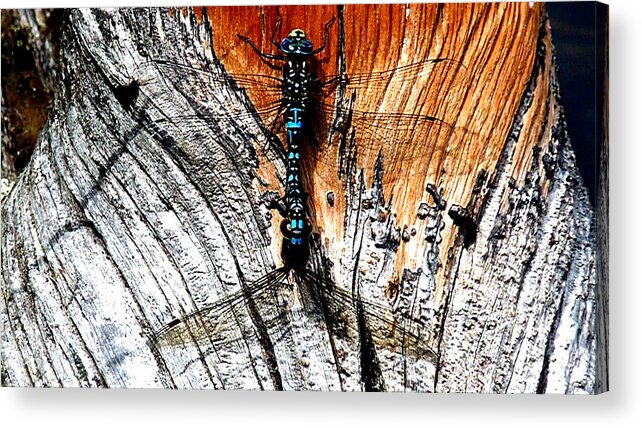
199, 84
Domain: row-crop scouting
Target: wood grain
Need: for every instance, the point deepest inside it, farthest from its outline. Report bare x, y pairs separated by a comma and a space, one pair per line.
138, 208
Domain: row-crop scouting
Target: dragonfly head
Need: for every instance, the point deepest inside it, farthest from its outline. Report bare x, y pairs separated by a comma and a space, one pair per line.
296, 43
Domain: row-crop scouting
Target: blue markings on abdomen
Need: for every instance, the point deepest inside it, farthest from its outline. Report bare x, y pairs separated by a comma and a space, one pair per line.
295, 123
297, 228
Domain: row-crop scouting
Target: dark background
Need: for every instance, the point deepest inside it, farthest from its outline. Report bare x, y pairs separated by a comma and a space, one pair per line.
573, 26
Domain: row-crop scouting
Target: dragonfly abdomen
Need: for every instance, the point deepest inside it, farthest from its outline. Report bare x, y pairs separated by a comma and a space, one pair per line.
295, 227
294, 193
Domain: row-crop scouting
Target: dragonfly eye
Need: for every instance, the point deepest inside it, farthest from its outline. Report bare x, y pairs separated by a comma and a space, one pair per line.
296, 44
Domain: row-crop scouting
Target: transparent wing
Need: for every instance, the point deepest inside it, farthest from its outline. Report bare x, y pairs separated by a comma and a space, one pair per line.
441, 68
399, 333
258, 82
197, 84
374, 130
392, 130
218, 117
217, 324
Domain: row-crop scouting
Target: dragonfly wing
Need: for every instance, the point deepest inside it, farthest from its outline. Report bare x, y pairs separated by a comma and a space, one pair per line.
436, 68
392, 330
398, 137
257, 82
413, 130
217, 324
199, 83
208, 116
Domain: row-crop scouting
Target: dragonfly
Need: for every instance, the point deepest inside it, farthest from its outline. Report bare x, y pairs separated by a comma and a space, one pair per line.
298, 100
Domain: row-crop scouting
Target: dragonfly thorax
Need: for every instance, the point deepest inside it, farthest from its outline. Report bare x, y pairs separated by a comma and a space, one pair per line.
296, 80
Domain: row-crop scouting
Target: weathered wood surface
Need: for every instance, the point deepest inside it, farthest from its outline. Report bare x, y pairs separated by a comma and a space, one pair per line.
128, 217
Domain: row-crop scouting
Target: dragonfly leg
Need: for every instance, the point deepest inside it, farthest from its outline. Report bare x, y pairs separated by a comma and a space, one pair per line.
273, 201
325, 37
276, 29
258, 51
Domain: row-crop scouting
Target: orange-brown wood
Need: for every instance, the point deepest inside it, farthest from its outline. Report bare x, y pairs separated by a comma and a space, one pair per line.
495, 42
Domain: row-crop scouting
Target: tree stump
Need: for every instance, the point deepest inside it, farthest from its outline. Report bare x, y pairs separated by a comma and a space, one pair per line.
135, 209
